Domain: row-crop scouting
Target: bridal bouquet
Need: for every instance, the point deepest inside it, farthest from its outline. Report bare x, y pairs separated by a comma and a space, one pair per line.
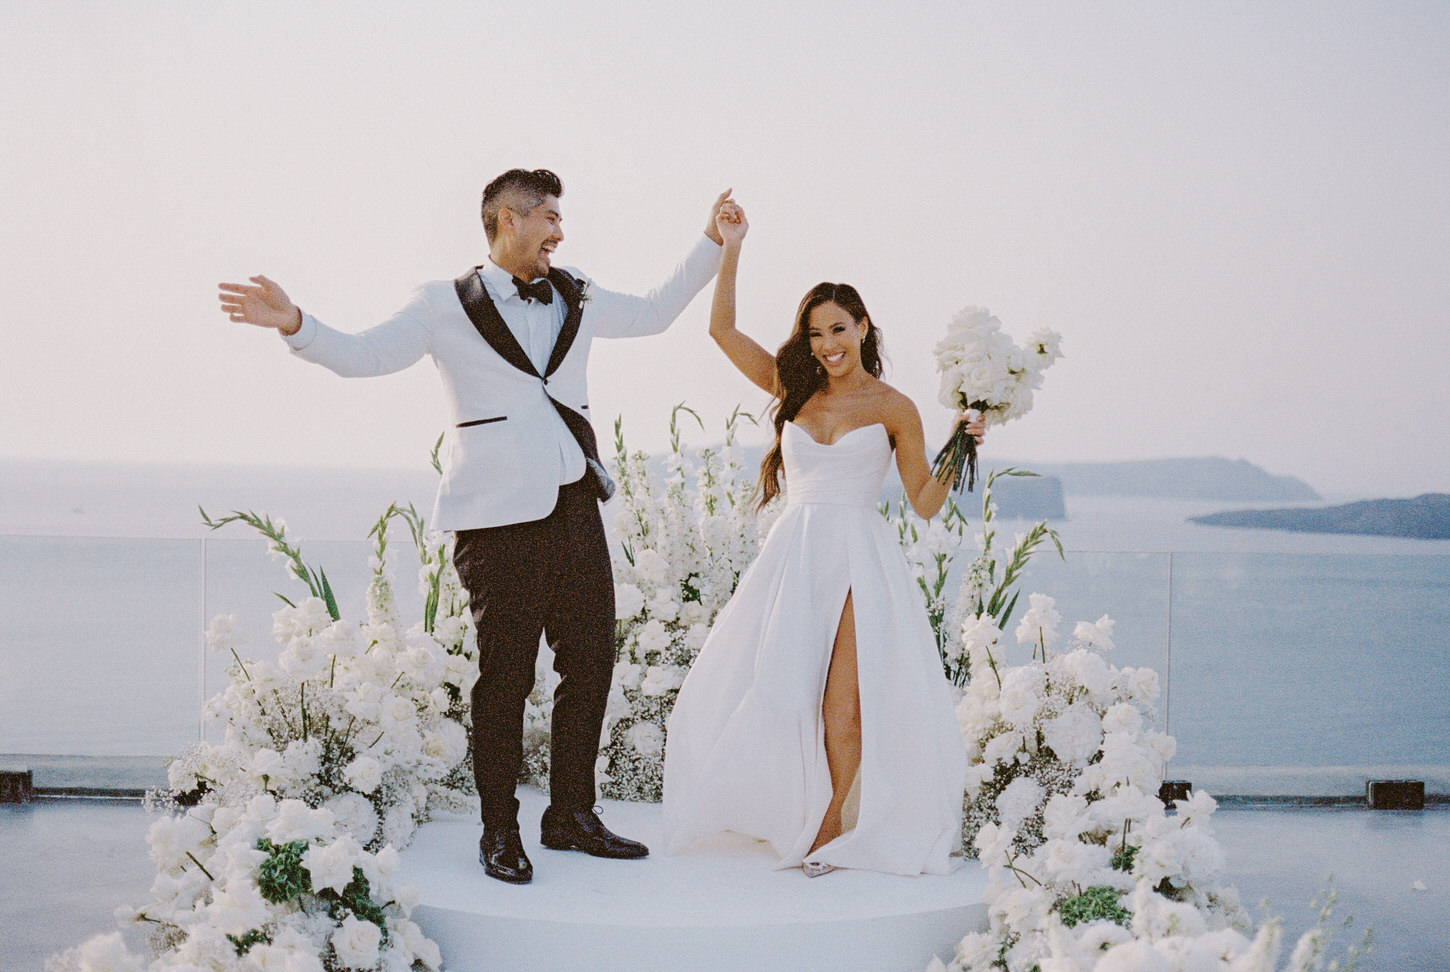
983, 370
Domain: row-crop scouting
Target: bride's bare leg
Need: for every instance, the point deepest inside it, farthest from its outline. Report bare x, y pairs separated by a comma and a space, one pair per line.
841, 710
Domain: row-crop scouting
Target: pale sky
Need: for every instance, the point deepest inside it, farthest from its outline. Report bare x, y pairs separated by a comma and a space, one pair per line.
1237, 214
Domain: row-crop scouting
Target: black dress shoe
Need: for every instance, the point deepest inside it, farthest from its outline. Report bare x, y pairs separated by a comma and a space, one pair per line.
582, 830
501, 852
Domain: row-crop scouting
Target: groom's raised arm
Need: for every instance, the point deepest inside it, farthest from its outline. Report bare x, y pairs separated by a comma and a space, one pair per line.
390, 346
616, 315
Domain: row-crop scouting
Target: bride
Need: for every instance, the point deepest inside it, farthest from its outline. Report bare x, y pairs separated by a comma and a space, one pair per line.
816, 716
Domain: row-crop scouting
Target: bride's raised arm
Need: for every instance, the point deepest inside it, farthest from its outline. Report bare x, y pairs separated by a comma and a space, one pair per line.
754, 362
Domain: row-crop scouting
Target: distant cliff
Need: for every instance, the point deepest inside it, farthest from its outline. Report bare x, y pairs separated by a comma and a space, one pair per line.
1208, 478
1425, 517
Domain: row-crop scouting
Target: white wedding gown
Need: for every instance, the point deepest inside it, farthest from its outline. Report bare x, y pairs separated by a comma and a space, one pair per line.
745, 749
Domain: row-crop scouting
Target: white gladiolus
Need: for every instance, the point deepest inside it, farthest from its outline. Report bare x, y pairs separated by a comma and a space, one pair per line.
1039, 624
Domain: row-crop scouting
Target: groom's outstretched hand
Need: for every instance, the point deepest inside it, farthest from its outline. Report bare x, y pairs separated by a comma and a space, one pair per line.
710, 228
262, 303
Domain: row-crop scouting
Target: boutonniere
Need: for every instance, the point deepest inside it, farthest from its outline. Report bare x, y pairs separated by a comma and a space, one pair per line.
584, 294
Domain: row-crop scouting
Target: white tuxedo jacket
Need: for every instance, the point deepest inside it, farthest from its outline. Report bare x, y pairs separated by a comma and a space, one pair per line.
502, 454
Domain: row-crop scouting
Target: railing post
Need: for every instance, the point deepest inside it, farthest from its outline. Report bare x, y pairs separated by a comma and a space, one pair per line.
201, 658
1168, 651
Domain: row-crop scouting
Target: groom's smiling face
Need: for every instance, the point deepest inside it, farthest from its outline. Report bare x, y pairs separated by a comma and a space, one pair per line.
535, 235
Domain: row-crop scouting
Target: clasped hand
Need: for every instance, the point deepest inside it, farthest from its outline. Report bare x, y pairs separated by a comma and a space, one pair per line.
731, 223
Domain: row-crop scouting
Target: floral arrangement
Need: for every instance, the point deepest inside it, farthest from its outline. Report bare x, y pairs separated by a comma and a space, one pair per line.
982, 369
276, 848
686, 537
1087, 869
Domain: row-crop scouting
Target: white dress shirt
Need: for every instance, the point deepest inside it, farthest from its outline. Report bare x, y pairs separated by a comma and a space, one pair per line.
536, 327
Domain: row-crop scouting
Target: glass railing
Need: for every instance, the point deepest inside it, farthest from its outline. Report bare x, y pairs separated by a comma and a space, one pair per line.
1282, 673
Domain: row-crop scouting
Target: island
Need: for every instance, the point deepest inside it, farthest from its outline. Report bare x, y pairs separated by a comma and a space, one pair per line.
1424, 517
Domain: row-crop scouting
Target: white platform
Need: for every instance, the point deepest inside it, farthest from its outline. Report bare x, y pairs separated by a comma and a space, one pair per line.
720, 907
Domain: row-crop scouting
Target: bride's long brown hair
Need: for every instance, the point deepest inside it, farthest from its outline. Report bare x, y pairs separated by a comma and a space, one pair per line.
798, 375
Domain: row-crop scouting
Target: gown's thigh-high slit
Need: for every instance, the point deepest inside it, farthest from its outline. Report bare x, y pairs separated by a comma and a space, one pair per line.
748, 752
841, 717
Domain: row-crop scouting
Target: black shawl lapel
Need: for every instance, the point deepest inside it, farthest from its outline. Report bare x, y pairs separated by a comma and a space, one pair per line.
490, 324
568, 288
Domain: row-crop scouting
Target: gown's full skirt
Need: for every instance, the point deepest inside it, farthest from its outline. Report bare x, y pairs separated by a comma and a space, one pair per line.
745, 749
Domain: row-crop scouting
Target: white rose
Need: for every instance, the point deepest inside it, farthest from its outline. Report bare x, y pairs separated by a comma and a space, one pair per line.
451, 630
268, 763
355, 815
398, 710
647, 739
330, 865
295, 820
653, 638
107, 953
1018, 801
222, 635
173, 837
303, 659
1124, 718
341, 638
1098, 633
1090, 671
628, 601
356, 943
628, 674
661, 679
1142, 685
664, 607
1075, 734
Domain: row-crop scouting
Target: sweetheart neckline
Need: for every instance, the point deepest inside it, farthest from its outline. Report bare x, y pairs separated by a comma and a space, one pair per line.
827, 445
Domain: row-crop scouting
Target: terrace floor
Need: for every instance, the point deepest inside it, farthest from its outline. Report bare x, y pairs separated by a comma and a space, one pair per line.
66, 864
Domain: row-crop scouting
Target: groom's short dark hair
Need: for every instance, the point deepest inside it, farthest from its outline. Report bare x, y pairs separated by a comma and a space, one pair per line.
517, 189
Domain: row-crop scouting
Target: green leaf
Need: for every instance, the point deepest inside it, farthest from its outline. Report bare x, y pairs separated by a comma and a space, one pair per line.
284, 600
1007, 614
329, 599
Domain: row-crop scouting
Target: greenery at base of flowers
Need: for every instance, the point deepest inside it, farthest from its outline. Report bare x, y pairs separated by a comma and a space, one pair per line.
315, 579
1093, 904
1123, 858
243, 943
282, 876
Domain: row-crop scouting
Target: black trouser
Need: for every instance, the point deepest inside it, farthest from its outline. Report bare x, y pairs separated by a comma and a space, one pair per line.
549, 576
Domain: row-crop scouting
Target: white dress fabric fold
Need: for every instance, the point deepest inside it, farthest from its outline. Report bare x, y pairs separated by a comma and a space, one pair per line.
745, 749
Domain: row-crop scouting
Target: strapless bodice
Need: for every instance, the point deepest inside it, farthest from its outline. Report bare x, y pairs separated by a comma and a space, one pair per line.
848, 472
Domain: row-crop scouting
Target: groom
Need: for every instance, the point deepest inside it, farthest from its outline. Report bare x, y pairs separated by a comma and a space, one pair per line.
522, 482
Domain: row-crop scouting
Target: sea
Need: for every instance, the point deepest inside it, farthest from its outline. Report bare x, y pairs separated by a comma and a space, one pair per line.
1289, 660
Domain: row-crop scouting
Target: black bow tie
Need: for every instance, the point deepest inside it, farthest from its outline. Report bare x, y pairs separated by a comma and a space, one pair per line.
538, 290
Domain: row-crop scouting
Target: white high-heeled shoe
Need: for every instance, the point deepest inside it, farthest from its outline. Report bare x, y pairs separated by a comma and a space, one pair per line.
815, 869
